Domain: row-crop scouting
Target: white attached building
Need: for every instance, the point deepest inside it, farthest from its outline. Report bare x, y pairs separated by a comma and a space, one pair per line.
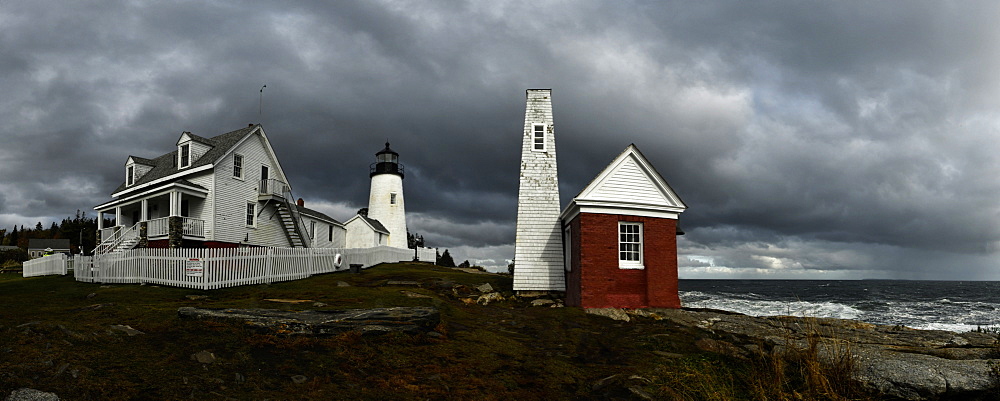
224, 191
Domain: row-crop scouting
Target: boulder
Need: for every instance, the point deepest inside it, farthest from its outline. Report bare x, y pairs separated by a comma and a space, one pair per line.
611, 313
30, 394
368, 321
204, 356
485, 288
126, 329
485, 299
542, 302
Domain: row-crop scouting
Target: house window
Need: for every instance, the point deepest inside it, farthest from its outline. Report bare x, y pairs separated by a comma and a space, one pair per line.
629, 245
312, 229
129, 175
238, 166
538, 137
392, 199
251, 213
329, 235
185, 155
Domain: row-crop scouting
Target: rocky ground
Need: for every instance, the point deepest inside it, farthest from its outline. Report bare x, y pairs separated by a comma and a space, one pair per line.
892, 361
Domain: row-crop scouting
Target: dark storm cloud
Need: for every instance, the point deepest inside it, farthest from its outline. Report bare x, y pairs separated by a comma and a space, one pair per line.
812, 137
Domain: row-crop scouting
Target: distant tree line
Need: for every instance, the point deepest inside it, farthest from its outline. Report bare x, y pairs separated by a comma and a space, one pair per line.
79, 229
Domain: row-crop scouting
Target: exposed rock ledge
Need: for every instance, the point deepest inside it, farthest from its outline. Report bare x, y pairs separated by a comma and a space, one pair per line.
367, 321
895, 361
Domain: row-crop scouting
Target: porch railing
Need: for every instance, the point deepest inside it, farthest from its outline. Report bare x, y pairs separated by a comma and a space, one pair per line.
193, 227
190, 226
272, 186
110, 233
158, 227
120, 236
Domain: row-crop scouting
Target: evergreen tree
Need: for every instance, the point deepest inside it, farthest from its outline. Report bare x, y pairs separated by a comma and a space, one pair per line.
465, 264
14, 236
414, 240
510, 267
446, 259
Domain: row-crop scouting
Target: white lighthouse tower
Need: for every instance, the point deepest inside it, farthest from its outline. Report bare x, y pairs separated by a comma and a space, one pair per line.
538, 256
385, 200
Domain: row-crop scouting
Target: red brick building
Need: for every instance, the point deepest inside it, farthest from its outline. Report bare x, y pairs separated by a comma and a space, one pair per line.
620, 238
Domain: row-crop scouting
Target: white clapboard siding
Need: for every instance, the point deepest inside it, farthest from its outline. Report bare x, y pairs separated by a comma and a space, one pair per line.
538, 245
629, 185
233, 193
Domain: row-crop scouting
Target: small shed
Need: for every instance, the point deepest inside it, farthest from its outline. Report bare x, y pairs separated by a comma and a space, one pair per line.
620, 238
40, 247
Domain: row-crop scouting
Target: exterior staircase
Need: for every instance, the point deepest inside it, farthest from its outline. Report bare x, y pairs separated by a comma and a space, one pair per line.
294, 229
127, 244
121, 240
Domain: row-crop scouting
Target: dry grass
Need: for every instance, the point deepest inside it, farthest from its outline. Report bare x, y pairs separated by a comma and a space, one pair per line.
56, 338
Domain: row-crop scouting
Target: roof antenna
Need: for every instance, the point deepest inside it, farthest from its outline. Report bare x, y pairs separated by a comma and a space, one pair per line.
260, 107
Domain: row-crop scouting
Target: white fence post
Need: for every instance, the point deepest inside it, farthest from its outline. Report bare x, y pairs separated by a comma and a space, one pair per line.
309, 261
269, 262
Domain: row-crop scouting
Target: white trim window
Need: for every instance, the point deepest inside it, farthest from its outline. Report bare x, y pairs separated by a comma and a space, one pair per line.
237, 166
538, 137
630, 245
312, 230
129, 175
329, 235
184, 155
251, 214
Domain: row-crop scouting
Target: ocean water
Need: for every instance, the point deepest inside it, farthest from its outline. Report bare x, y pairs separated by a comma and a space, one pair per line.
933, 305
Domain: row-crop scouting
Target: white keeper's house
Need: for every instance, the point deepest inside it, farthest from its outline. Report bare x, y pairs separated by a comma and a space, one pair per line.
225, 191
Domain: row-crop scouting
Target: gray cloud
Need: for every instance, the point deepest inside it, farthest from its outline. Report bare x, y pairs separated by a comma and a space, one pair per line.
851, 138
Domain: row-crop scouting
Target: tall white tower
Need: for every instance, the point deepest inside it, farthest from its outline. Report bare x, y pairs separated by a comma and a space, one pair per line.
385, 200
538, 256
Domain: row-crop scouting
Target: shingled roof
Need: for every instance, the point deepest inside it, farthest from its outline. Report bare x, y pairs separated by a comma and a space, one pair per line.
319, 215
374, 224
166, 165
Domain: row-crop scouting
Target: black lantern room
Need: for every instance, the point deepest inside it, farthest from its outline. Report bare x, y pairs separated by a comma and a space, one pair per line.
386, 162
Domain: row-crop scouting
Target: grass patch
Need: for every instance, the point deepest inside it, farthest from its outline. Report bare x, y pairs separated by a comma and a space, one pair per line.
57, 337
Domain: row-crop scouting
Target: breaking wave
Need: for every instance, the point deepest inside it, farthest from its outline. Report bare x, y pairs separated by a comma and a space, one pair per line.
931, 314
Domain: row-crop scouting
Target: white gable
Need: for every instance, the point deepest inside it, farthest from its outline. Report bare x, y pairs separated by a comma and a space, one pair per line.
629, 185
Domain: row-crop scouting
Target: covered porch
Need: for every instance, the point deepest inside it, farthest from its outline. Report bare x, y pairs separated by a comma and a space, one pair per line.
173, 213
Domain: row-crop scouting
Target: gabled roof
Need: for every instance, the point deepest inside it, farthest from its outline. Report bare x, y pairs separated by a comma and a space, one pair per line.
374, 224
142, 160
166, 165
628, 185
318, 215
38, 243
196, 138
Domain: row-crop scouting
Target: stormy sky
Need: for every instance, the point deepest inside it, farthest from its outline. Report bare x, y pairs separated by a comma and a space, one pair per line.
820, 140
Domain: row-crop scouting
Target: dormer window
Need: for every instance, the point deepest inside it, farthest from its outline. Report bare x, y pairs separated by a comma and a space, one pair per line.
129, 175
184, 153
538, 137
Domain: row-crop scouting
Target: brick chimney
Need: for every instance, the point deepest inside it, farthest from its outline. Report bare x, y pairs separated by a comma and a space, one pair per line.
300, 202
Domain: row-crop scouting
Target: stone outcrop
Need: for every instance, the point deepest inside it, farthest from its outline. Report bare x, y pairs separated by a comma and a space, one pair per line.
895, 361
411, 320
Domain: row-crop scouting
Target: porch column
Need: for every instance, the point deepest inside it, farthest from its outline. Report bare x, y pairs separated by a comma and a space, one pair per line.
118, 216
144, 210
175, 231
100, 226
175, 203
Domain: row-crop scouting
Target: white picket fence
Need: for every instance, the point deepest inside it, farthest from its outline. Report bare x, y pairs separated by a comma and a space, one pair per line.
211, 268
44, 266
